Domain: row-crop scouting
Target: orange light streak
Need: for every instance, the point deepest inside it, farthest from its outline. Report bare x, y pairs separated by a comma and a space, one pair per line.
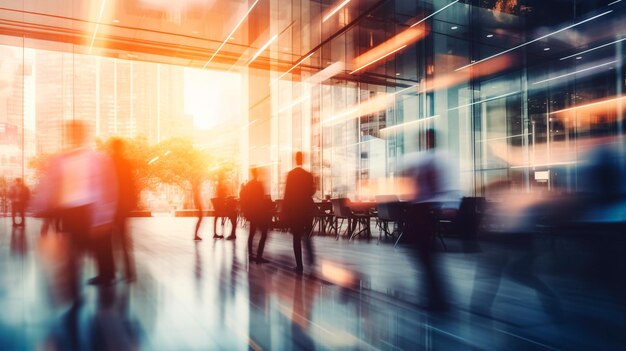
389, 47
335, 10
265, 46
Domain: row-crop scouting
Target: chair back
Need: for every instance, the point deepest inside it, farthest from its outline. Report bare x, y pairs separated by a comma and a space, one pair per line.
340, 207
389, 207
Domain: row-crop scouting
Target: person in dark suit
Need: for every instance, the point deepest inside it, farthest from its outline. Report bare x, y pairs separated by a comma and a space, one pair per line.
19, 195
256, 209
126, 202
298, 209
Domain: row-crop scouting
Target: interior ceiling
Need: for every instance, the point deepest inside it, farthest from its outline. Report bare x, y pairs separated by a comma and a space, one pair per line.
183, 32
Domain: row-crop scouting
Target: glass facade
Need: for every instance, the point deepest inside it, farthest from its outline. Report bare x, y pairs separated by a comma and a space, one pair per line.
516, 90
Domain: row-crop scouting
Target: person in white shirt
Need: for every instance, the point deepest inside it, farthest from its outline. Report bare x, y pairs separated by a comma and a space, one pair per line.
80, 187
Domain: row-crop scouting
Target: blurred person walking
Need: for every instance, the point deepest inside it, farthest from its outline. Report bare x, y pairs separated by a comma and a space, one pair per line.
225, 207
79, 187
256, 209
197, 200
126, 202
435, 183
298, 209
19, 194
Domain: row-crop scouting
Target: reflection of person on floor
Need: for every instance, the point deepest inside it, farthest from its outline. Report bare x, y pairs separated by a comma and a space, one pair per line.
79, 186
298, 209
225, 207
303, 297
255, 206
19, 195
126, 201
435, 183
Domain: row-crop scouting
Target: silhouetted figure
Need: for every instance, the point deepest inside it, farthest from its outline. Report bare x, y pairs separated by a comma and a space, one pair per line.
197, 200
298, 207
255, 206
126, 202
225, 207
435, 183
19, 194
79, 187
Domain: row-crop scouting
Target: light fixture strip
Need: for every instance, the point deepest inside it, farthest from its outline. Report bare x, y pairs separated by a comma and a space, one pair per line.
592, 49
95, 30
572, 73
269, 42
231, 33
534, 40
335, 10
294, 66
405, 124
485, 100
434, 13
588, 105
378, 59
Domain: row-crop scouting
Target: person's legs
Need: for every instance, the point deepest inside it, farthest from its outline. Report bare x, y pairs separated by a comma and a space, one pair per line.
308, 245
103, 251
126, 243
14, 213
261, 248
200, 218
253, 226
215, 235
233, 221
297, 247
20, 210
421, 226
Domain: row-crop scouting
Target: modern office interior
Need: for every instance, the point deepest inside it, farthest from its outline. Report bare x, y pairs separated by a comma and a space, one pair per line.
512, 108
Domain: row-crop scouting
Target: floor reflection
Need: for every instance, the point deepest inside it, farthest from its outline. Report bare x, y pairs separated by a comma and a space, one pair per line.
362, 296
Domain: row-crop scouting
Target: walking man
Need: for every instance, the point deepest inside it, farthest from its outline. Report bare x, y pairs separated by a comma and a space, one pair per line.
298, 209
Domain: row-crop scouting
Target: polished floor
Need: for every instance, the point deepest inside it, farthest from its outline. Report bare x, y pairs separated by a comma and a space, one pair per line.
361, 295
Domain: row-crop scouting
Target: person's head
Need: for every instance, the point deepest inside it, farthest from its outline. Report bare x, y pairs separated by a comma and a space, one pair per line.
299, 158
75, 133
254, 172
117, 146
18, 180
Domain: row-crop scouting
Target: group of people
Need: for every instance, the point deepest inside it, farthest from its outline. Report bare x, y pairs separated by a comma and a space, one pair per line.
90, 193
256, 206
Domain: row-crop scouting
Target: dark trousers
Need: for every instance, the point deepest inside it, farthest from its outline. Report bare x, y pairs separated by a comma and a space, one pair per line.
103, 251
421, 229
17, 209
233, 221
125, 242
254, 225
76, 223
300, 233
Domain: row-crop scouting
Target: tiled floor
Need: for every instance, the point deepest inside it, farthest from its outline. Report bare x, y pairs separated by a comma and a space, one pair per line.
361, 295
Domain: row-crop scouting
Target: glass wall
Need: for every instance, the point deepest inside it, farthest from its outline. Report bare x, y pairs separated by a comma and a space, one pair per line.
518, 91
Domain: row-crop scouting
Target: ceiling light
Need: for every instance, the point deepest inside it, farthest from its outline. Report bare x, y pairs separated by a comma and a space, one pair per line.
231, 38
95, 31
116, 21
397, 74
489, 35
546, 49
454, 27
579, 57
